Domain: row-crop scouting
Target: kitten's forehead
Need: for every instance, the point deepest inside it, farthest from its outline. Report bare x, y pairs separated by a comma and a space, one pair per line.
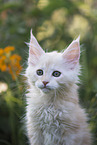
50, 59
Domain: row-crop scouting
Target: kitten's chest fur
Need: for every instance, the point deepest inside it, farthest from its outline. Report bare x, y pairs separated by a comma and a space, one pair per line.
54, 124
49, 116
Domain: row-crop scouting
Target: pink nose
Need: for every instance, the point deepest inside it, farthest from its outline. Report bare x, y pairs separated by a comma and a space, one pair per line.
45, 83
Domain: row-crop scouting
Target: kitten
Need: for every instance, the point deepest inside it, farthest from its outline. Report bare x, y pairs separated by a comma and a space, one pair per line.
53, 113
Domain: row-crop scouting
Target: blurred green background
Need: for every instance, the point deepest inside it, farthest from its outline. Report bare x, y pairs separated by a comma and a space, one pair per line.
55, 23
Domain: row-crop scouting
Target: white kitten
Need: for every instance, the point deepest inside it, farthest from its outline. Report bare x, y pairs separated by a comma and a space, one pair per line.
54, 116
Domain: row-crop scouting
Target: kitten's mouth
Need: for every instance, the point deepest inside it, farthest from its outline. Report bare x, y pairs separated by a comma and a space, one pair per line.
45, 89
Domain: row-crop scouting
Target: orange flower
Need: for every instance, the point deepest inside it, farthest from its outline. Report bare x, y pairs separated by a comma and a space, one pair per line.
15, 57
11, 72
1, 51
15, 63
9, 62
3, 58
4, 67
8, 49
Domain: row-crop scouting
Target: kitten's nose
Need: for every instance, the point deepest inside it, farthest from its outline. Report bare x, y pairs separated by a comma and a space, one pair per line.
45, 83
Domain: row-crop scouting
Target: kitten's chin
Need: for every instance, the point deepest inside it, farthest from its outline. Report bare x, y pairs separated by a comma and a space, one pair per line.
46, 90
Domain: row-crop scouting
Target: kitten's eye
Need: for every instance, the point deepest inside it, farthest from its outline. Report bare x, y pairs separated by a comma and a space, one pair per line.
39, 72
56, 73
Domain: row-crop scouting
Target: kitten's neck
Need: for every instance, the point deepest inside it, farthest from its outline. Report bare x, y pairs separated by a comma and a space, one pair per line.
56, 96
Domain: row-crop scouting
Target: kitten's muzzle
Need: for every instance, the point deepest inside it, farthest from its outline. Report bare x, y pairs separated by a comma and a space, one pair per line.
45, 88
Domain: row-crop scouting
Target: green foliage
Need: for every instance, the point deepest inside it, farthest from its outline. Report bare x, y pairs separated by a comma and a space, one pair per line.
55, 23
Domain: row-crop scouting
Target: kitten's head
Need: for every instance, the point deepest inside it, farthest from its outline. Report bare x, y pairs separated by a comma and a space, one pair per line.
52, 71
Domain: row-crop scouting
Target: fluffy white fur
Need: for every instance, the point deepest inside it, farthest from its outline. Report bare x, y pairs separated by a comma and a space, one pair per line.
53, 113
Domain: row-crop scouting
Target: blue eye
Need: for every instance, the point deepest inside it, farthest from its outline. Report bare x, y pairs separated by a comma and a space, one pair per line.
56, 73
39, 72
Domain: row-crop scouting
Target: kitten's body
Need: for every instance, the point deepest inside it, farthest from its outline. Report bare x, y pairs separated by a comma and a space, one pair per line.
54, 116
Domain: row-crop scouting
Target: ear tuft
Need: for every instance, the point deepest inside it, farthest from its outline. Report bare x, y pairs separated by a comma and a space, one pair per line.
72, 53
35, 50
78, 39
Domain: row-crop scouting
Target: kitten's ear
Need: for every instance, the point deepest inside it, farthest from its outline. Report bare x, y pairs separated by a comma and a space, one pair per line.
72, 53
35, 50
